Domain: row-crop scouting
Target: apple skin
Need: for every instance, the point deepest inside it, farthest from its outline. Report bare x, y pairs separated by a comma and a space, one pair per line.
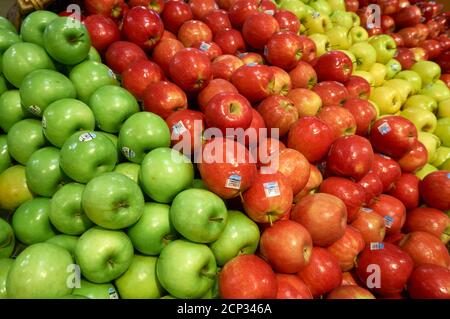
121, 54
406, 189
284, 50
10, 109
339, 119
215, 87
278, 112
437, 90
414, 159
443, 131
217, 20
387, 169
435, 191
370, 225
363, 112
103, 255
13, 188
245, 234
347, 248
24, 138
33, 26
322, 274
430, 220
326, 226
193, 280
192, 136
421, 101
350, 292
90, 290
429, 282
332, 93
414, 79
40, 271
239, 12
266, 25
303, 75
334, 66
287, 21
253, 81
230, 41
252, 274
295, 167
291, 287
5, 158
67, 242
358, 87
175, 14
140, 74
5, 266
386, 205
130, 170
8, 241
395, 265
224, 66
103, 31
307, 102
194, 31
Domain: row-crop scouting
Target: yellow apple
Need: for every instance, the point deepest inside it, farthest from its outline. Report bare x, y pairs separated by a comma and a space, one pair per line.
387, 99
378, 72
13, 188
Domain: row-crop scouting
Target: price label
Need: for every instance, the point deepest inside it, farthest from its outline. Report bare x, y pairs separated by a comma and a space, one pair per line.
128, 152
384, 128
316, 14
205, 46
366, 209
269, 12
178, 129
271, 189
112, 293
395, 67
388, 221
376, 246
86, 137
233, 182
34, 109
252, 63
266, 51
44, 123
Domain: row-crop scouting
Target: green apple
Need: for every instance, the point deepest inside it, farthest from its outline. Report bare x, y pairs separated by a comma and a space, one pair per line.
93, 55
412, 77
429, 71
317, 23
377, 108
186, 270
34, 24
113, 201
339, 38
365, 75
31, 223
112, 105
51, 85
153, 231
365, 55
442, 155
67, 242
10, 109
424, 120
13, 188
7, 39
295, 6
443, 130
24, 138
378, 72
431, 142
387, 99
44, 176
66, 212
103, 255
342, 18
445, 166
6, 24
421, 101
87, 154
424, 171
443, 109
350, 55
96, 291
403, 87
321, 6
393, 68
23, 58
322, 43
40, 271
3, 84
67, 40
131, 170
358, 34
5, 159
437, 90
140, 281
240, 236
89, 76
210, 215
5, 266
164, 173
385, 47
7, 239
198, 183
63, 118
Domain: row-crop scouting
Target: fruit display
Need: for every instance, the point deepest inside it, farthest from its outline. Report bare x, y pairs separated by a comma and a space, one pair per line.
223, 149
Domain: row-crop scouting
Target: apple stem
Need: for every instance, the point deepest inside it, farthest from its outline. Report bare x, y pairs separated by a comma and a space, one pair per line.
241, 197
208, 274
216, 219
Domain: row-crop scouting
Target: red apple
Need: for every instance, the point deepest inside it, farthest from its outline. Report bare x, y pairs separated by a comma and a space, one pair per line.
303, 76
211, 49
357, 87
164, 52
398, 40
139, 75
444, 61
423, 32
168, 35
309, 53
374, 31
428, 9
114, 9
334, 66
351, 5
372, 185
307, 102
363, 112
251, 58
429, 282
394, 238
284, 49
435, 190
411, 36
388, 6
332, 93
230, 41
247, 277
268, 6
408, 16
186, 127
292, 287
255, 133
143, 27
430, 220
268, 149
200, 8
103, 31
420, 54
241, 10
406, 189
254, 81
339, 119
446, 79
414, 159
121, 54
164, 98
350, 292
156, 5
282, 81
392, 210
349, 279
259, 28
278, 112
295, 167
287, 21
387, 170
444, 40
425, 248
194, 31
322, 274
190, 69
347, 248
215, 86
406, 58
370, 225
225, 4
217, 20
224, 66
175, 13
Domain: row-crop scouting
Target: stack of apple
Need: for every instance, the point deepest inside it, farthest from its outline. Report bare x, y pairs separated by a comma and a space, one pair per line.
88, 175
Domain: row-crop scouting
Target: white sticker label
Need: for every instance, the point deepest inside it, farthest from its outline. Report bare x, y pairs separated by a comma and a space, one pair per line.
44, 123
384, 156
448, 175
128, 152
178, 129
205, 46
316, 14
34, 109
266, 51
252, 64
388, 221
395, 67
269, 12
234, 182
86, 137
366, 209
271, 189
112, 74
384, 128
376, 246
112, 293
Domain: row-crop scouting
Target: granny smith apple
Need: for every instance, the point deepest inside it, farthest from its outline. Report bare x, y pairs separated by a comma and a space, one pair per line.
438, 90
424, 171
378, 72
431, 142
322, 43
112, 105
34, 24
5, 266
393, 68
13, 188
21, 59
40, 271
141, 133
321, 6
113, 201
186, 270
5, 159
66, 212
153, 231
198, 215
31, 223
295, 6
385, 47
198, 183
103, 255
403, 87
115, 140
64, 117
240, 236
24, 138
10, 109
358, 34
365, 75
164, 173
424, 120
443, 130
317, 22
387, 99
67, 242
3, 84
140, 281
339, 38
7, 239
365, 55
51, 85
7, 39
445, 166
6, 24
442, 155
342, 18
443, 109
131, 170
421, 101
336, 5
93, 55
67, 40
44, 176
89, 76
87, 154
412, 77
95, 291
429, 71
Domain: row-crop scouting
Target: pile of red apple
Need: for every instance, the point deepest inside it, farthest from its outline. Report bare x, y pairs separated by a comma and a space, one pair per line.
340, 200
